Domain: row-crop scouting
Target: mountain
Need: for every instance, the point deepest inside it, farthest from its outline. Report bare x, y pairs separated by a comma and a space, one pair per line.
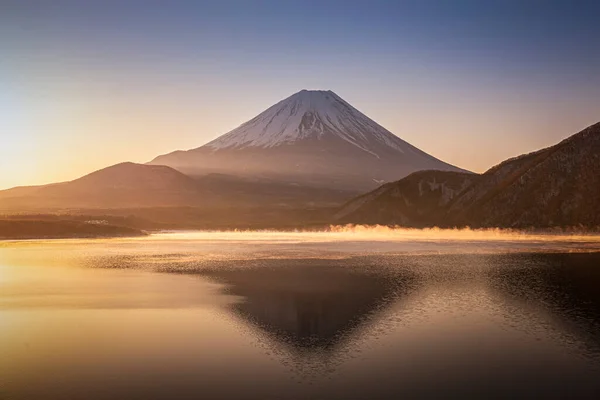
136, 186
556, 186
418, 200
123, 185
310, 138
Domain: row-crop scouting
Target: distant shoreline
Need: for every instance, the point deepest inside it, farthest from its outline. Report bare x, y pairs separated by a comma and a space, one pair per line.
62, 229
32, 227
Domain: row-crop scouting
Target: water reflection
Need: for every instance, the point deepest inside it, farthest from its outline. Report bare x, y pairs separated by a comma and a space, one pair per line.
308, 305
101, 323
521, 323
562, 286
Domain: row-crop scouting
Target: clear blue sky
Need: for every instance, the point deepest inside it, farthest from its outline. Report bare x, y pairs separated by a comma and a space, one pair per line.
85, 84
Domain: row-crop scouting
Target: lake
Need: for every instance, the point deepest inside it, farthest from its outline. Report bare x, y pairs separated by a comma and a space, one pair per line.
350, 314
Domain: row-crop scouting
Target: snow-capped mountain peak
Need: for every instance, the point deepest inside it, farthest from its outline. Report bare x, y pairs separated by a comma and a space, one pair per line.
312, 138
310, 114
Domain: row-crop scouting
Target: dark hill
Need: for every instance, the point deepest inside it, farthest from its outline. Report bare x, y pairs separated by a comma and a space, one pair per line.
554, 187
134, 187
418, 200
122, 185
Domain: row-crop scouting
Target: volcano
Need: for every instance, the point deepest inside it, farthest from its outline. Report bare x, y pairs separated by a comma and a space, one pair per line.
313, 138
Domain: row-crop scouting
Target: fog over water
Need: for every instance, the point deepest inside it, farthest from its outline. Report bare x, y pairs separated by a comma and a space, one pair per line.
351, 313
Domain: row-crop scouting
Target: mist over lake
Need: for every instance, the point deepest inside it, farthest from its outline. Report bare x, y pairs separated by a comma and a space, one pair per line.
347, 314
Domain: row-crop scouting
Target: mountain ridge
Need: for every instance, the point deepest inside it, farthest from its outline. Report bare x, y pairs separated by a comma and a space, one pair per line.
313, 138
135, 186
417, 200
557, 186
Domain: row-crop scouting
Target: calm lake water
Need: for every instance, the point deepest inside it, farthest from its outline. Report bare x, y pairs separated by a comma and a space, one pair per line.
346, 315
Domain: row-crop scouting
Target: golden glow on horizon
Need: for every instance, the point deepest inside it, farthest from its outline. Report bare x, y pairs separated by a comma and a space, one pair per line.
74, 127
375, 233
90, 85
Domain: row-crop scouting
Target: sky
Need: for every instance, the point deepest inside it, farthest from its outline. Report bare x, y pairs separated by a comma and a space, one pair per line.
88, 84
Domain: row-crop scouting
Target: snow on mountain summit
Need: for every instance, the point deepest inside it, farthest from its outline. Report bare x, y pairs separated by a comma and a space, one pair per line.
310, 114
312, 138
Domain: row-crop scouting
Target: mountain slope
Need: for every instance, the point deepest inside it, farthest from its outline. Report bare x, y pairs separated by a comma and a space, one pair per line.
418, 200
135, 186
306, 115
123, 185
312, 137
557, 186
554, 187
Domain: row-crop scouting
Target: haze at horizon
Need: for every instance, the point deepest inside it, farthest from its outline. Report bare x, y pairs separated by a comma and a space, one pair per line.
90, 84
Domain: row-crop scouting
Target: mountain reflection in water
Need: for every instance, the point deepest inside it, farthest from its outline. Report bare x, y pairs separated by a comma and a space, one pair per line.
321, 312
137, 319
307, 306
